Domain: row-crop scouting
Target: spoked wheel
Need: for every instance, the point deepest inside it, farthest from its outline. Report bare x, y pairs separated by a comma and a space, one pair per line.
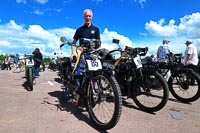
30, 78
104, 101
151, 95
185, 86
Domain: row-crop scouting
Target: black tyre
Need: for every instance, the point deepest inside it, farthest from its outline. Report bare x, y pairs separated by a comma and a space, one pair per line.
30, 78
182, 87
152, 95
104, 102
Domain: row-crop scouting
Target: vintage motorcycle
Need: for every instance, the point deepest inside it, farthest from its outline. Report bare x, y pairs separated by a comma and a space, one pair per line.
29, 71
183, 81
99, 89
145, 86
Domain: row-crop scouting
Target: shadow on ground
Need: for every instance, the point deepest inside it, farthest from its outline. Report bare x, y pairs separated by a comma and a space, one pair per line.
65, 105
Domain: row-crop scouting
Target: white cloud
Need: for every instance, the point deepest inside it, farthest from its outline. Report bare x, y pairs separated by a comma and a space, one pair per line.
41, 1
141, 2
38, 12
67, 1
17, 39
159, 29
107, 37
21, 1
58, 10
4, 43
12, 25
97, 0
189, 27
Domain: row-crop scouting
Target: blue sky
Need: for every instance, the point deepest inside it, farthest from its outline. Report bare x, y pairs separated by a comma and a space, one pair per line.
27, 24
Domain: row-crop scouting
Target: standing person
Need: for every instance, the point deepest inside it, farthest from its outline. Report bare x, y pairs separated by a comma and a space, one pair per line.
162, 53
7, 62
38, 60
89, 31
164, 49
15, 63
191, 57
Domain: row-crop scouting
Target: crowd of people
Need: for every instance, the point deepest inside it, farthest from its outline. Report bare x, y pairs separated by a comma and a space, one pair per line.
190, 55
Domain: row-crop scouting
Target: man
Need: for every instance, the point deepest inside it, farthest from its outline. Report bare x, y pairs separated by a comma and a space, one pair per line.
15, 63
191, 57
164, 49
38, 60
162, 53
89, 31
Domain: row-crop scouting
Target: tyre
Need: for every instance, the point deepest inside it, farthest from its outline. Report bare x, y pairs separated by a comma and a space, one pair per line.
104, 102
30, 78
182, 87
152, 94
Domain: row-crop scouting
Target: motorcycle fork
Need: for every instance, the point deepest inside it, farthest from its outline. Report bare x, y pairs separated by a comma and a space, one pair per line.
140, 79
129, 79
94, 88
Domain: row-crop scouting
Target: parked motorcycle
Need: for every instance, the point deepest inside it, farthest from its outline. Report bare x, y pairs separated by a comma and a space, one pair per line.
145, 86
98, 89
183, 81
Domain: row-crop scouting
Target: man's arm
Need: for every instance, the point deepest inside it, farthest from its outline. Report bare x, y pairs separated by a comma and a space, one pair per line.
188, 57
73, 48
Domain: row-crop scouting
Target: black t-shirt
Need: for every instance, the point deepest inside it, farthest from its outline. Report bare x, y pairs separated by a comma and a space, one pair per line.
91, 32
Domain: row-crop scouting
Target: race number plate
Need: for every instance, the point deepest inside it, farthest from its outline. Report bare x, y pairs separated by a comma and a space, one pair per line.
94, 64
138, 62
29, 62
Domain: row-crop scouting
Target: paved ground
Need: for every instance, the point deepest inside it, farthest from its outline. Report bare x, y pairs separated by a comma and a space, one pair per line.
39, 111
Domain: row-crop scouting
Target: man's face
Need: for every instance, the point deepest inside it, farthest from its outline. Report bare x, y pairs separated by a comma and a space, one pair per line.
88, 17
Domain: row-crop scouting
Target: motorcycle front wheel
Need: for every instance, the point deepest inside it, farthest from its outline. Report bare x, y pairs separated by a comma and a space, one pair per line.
104, 101
152, 93
30, 78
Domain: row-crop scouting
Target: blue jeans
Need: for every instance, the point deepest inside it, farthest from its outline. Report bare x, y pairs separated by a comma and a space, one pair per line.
37, 71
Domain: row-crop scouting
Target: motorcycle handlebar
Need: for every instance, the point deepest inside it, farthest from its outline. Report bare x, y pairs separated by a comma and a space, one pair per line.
135, 51
67, 42
119, 49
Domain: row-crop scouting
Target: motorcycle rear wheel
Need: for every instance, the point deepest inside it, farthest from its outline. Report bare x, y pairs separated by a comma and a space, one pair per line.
182, 88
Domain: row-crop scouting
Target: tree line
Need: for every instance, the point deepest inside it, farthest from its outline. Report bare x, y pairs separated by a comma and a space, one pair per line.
46, 60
